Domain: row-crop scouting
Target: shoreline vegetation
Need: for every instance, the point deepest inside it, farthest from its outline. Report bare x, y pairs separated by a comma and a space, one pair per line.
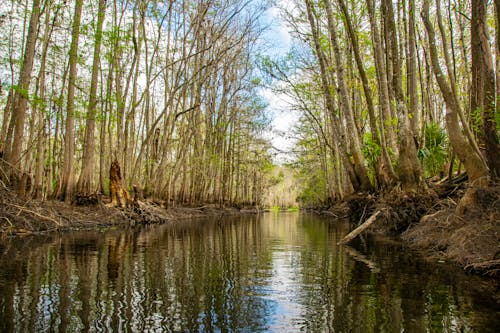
443, 223
20, 217
435, 222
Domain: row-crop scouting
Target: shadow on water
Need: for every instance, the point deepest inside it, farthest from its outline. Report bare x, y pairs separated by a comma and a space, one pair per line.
274, 272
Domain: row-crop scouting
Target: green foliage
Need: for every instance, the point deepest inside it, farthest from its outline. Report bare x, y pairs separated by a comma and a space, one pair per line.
434, 154
275, 209
371, 152
313, 191
275, 180
476, 120
256, 81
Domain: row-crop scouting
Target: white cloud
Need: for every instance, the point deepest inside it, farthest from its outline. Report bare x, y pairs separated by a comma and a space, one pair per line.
277, 41
276, 38
283, 121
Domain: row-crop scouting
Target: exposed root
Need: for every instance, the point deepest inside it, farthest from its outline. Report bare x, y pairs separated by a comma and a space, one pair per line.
92, 199
404, 209
361, 206
19, 217
467, 233
454, 223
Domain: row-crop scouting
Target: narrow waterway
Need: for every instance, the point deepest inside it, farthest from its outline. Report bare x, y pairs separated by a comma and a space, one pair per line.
272, 272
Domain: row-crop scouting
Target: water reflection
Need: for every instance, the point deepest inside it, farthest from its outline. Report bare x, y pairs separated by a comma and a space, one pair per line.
277, 272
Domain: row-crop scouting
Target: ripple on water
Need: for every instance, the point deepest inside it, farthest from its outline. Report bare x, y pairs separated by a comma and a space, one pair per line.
273, 272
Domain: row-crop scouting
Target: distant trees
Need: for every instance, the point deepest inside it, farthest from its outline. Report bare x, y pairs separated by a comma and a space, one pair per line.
167, 89
376, 79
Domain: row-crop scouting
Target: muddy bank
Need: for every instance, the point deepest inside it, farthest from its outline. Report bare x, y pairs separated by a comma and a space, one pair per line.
459, 223
19, 217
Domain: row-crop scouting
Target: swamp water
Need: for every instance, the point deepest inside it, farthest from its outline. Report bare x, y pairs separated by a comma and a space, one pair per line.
271, 272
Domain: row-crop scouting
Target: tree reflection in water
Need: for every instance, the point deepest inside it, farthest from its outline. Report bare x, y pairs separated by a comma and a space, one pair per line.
274, 272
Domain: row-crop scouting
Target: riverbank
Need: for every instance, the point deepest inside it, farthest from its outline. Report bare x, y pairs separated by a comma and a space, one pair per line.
438, 222
19, 217
456, 223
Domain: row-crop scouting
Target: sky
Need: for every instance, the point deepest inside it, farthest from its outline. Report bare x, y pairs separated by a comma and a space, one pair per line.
277, 42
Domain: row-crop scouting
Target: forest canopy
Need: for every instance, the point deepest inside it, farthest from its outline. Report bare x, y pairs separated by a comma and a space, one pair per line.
168, 89
390, 93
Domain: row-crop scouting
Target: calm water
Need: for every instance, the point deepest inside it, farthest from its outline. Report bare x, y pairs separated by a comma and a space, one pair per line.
274, 272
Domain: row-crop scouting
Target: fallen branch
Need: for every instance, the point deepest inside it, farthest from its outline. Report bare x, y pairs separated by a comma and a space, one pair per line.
35, 213
353, 234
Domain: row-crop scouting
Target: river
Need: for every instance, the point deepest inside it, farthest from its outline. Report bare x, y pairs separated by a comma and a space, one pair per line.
270, 272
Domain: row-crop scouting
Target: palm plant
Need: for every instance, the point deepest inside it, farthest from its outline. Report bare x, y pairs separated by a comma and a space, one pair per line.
434, 154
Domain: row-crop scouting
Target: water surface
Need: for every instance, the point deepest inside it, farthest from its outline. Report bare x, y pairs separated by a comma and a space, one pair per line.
272, 272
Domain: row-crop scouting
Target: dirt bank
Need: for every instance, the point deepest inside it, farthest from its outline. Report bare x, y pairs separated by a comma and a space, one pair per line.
458, 223
19, 217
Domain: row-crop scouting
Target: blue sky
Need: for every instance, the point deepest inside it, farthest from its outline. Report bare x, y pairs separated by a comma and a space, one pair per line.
277, 42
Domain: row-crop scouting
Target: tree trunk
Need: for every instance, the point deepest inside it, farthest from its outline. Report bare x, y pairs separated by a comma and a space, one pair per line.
387, 132
22, 90
330, 105
358, 159
409, 169
41, 110
66, 186
483, 84
85, 182
119, 195
362, 73
476, 169
414, 112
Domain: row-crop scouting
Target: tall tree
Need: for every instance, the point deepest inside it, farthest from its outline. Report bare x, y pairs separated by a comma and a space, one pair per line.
387, 131
329, 100
474, 165
375, 132
85, 182
483, 84
13, 153
409, 169
358, 159
66, 185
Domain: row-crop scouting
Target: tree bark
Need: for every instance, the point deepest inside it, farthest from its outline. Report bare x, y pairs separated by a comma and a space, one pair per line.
66, 186
387, 132
85, 182
41, 110
358, 159
22, 90
119, 195
414, 112
483, 84
474, 165
409, 169
353, 177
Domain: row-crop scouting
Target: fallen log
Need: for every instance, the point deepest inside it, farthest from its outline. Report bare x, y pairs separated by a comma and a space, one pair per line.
353, 234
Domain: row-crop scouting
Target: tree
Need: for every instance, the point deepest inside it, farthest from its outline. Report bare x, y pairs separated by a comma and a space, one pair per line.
85, 182
65, 190
20, 99
474, 165
483, 97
